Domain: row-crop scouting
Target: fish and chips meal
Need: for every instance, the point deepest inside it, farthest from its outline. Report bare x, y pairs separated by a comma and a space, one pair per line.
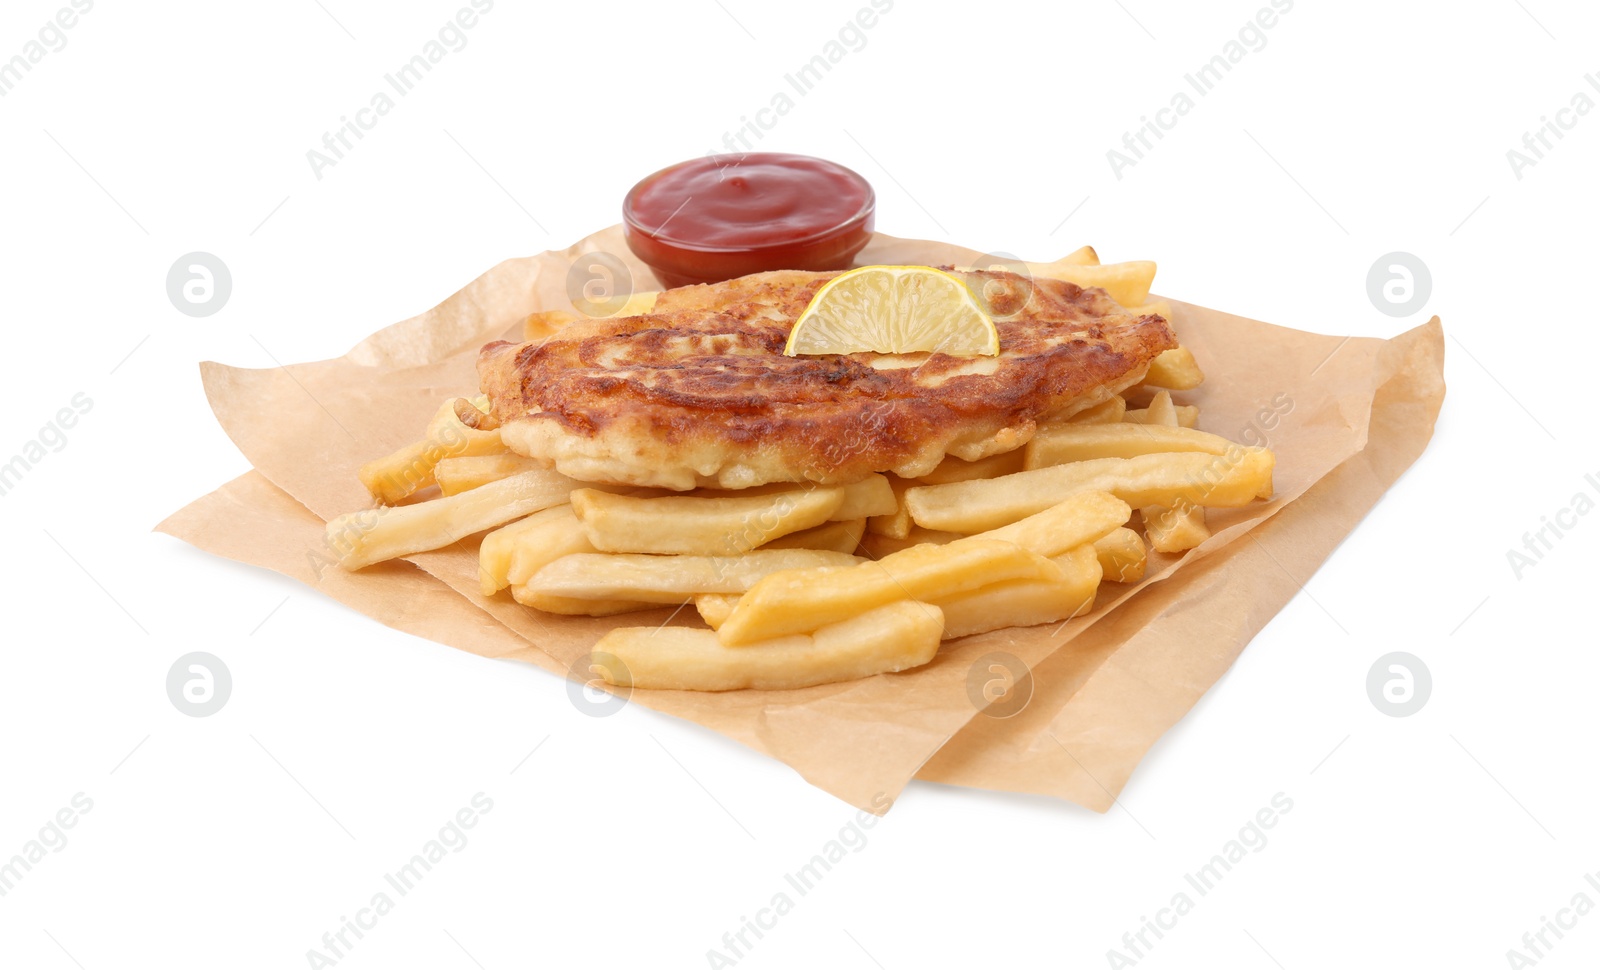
837, 467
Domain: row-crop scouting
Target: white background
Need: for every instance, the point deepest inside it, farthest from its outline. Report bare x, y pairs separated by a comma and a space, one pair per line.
237, 840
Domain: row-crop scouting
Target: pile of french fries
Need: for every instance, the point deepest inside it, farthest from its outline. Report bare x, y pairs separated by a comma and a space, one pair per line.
803, 584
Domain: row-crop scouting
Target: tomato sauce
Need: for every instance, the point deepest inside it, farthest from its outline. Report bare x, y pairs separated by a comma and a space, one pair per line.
722, 216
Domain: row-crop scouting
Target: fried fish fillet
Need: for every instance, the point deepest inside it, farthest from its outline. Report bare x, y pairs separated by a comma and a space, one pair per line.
698, 391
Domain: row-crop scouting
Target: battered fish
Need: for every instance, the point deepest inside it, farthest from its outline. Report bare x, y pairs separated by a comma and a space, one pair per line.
698, 391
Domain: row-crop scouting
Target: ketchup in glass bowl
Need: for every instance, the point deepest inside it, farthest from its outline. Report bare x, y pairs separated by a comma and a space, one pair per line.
722, 216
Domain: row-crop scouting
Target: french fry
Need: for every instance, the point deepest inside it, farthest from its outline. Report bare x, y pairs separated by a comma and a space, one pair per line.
639, 303
374, 535
835, 536
1106, 412
1175, 369
1062, 443
1061, 533
474, 412
869, 496
546, 324
671, 580
573, 606
695, 525
467, 472
954, 469
1225, 481
1082, 256
1078, 519
1181, 525
1122, 556
896, 524
798, 601
1025, 602
1188, 416
509, 555
497, 548
1161, 410
890, 638
1126, 283
394, 477
633, 306
1176, 528
877, 546
715, 608
872, 495
1138, 397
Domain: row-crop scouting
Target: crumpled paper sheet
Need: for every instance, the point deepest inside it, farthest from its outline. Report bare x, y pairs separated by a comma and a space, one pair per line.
1345, 416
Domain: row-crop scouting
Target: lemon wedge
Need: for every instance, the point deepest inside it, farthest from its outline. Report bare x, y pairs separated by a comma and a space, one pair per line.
894, 310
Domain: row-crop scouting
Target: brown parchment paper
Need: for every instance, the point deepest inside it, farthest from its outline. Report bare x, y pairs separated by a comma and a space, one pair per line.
1098, 707
307, 427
